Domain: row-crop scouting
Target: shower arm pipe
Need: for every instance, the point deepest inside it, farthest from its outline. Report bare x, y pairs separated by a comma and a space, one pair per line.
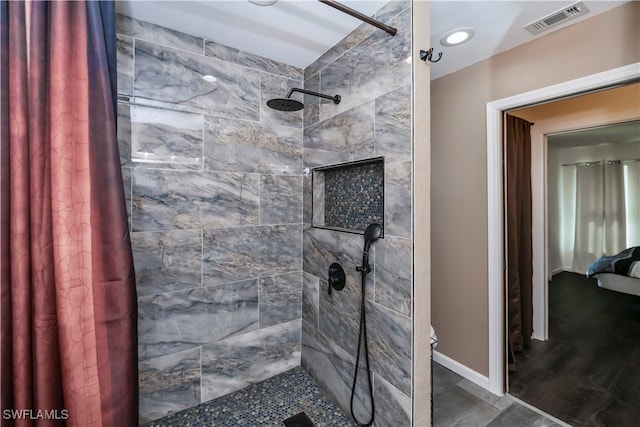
335, 99
360, 16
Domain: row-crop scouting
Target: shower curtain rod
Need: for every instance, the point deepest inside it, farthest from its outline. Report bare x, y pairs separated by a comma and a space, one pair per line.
598, 161
360, 16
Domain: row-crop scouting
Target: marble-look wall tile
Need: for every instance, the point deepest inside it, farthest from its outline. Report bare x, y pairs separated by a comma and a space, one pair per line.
333, 369
175, 77
312, 103
124, 55
339, 313
369, 70
307, 197
126, 183
345, 137
394, 273
236, 362
167, 260
278, 87
164, 200
398, 206
375, 67
390, 350
181, 320
393, 125
317, 197
280, 199
310, 298
193, 185
251, 60
352, 39
280, 299
323, 247
166, 138
169, 384
393, 408
124, 133
392, 9
246, 146
238, 253
161, 35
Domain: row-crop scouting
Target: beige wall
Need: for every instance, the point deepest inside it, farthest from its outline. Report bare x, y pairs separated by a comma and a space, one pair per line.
458, 149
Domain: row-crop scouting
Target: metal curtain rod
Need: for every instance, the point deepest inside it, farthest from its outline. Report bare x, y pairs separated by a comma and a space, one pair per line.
360, 16
597, 162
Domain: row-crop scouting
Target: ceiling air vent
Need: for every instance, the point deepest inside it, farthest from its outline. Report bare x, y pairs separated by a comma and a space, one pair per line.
557, 18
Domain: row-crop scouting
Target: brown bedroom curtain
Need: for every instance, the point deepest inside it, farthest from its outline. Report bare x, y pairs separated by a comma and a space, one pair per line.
519, 252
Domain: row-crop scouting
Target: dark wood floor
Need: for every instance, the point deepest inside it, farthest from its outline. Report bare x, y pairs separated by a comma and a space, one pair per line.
588, 372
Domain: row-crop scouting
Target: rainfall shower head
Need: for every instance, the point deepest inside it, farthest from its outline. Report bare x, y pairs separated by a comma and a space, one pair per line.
285, 104
288, 104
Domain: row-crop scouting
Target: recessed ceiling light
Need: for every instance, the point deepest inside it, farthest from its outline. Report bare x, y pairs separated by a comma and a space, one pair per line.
457, 36
209, 78
263, 2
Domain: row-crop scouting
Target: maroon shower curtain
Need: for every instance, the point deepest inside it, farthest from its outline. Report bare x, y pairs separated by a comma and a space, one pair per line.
68, 320
519, 238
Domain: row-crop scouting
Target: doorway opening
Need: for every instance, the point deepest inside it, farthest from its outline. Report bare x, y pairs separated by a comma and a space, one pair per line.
495, 110
584, 168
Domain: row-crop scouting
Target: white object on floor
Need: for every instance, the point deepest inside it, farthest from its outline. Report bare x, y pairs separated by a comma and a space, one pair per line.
619, 283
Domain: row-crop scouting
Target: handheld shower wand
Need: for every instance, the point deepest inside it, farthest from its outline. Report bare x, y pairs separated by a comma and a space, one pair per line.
371, 234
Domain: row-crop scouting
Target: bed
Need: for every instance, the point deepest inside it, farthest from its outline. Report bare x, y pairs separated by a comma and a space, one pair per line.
619, 283
620, 272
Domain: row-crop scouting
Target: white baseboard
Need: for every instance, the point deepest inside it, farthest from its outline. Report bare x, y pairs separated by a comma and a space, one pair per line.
566, 269
462, 370
558, 270
538, 336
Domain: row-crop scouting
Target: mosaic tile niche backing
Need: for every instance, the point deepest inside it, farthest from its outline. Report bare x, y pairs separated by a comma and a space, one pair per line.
353, 195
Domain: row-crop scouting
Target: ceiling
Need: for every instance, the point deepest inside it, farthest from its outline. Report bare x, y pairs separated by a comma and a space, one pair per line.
297, 32
620, 133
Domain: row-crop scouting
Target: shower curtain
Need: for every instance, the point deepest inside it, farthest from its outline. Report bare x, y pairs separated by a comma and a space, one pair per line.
519, 238
68, 320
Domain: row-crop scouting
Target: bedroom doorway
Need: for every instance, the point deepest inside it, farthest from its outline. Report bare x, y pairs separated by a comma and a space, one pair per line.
581, 121
570, 284
495, 226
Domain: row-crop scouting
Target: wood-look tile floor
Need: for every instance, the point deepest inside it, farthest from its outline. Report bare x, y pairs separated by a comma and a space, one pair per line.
588, 372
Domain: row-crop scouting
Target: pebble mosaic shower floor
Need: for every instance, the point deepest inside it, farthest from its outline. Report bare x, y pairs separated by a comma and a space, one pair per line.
267, 403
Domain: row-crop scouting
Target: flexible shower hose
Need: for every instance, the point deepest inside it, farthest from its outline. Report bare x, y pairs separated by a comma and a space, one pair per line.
363, 334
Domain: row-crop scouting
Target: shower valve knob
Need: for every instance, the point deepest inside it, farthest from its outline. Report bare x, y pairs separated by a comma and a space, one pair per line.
337, 278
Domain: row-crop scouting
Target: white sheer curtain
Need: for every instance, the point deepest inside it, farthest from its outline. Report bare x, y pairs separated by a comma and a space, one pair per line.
615, 221
632, 201
589, 220
567, 222
600, 225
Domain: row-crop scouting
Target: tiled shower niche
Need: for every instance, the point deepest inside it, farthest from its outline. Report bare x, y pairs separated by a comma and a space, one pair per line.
349, 196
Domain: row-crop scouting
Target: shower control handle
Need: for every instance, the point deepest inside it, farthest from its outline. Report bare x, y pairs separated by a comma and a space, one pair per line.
337, 278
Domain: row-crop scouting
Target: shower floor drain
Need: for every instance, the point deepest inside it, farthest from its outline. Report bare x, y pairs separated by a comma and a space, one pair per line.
299, 420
